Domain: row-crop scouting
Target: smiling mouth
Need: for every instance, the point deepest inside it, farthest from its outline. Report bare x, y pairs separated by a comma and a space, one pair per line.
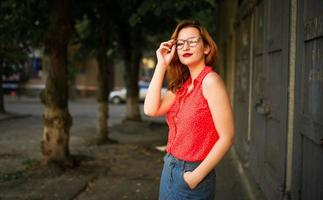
187, 55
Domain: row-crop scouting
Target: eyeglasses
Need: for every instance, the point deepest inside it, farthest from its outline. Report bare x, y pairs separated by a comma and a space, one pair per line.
191, 42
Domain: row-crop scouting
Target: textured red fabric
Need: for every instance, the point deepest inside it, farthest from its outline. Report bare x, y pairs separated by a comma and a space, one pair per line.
192, 133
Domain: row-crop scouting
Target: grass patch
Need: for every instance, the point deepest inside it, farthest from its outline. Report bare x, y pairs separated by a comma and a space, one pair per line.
30, 163
10, 176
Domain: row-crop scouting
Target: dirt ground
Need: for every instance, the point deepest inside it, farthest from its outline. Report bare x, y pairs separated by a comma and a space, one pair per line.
129, 169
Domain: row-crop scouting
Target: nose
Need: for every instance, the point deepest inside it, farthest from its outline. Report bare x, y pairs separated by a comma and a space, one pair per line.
186, 45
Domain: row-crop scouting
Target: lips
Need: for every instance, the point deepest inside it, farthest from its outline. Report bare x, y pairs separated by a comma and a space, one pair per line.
187, 54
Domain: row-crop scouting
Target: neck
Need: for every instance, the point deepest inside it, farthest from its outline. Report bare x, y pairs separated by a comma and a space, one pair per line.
196, 70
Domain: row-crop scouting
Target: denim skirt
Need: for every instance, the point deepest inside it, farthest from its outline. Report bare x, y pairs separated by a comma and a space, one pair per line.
174, 187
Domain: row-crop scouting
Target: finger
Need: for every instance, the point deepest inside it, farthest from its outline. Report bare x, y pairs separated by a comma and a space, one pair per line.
171, 40
167, 43
172, 51
165, 48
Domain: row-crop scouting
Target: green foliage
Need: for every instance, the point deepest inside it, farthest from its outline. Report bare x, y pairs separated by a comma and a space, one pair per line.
23, 24
72, 71
158, 19
94, 30
207, 19
86, 38
82, 27
8, 70
23, 21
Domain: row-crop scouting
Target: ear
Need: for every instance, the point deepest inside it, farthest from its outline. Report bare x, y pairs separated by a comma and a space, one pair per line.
206, 50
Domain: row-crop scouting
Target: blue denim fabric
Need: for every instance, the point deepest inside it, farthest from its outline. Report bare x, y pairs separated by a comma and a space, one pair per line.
174, 187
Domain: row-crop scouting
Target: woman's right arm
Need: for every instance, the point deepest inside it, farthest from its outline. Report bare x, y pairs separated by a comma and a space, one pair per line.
155, 105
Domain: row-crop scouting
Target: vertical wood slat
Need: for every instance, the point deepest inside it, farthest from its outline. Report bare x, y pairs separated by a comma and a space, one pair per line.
308, 152
270, 81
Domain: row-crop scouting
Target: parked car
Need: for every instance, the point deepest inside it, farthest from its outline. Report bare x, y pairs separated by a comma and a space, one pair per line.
10, 86
119, 96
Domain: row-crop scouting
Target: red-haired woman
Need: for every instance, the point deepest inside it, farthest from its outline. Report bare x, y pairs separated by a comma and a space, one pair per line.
198, 113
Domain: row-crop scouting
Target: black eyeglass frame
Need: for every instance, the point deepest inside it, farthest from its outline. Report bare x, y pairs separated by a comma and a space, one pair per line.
189, 41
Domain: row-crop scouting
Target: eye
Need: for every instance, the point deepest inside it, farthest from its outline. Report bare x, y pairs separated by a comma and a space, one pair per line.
193, 41
180, 43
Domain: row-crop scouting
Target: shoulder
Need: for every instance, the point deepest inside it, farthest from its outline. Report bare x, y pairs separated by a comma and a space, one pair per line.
212, 80
213, 87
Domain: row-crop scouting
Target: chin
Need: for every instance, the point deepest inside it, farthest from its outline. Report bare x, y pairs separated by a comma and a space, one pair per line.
186, 61
189, 63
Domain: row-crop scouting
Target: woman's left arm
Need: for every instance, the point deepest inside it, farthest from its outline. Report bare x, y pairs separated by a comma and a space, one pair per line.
218, 100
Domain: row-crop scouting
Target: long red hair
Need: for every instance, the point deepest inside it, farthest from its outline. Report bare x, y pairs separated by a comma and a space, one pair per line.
177, 72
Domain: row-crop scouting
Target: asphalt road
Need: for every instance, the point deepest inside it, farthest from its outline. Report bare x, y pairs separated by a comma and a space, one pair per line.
79, 108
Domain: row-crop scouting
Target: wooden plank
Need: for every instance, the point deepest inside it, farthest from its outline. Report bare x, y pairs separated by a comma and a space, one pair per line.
308, 151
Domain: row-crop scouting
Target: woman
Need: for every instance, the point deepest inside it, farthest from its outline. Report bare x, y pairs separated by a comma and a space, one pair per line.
198, 113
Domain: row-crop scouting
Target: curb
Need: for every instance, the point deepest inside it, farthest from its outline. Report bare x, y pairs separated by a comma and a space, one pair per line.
9, 116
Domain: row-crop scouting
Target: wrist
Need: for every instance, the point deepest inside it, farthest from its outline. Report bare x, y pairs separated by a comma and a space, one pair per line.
197, 176
161, 67
191, 179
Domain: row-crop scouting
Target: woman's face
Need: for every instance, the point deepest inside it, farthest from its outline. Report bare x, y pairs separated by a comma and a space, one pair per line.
190, 48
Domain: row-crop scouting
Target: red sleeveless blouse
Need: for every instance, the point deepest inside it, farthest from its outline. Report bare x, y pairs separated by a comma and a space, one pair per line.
192, 133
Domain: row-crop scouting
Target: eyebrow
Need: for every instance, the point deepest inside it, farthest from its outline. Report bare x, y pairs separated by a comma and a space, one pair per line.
188, 38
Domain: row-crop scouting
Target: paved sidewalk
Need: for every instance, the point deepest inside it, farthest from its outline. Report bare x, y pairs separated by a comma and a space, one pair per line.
5, 116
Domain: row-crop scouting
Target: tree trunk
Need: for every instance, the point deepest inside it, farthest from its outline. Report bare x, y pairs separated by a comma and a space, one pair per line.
131, 79
102, 98
132, 62
2, 109
57, 119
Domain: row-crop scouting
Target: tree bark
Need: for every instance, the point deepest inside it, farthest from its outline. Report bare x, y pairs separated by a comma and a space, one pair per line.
132, 57
56, 118
131, 79
102, 97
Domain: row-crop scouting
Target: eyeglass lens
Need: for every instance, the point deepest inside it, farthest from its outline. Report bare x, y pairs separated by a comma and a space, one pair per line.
192, 42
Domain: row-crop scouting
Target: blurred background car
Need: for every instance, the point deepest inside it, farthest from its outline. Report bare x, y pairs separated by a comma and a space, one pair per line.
119, 96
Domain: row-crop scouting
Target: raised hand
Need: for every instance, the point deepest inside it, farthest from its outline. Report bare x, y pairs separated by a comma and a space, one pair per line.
165, 53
